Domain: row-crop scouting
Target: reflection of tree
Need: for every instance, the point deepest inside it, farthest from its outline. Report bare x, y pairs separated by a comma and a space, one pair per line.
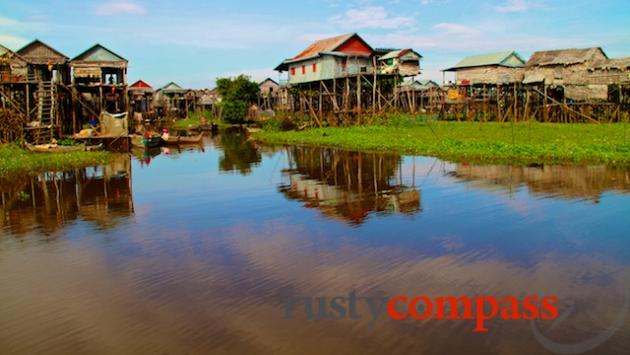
101, 195
239, 154
348, 185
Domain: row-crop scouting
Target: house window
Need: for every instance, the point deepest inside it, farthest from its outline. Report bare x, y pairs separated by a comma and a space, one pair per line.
303, 69
314, 67
293, 71
343, 64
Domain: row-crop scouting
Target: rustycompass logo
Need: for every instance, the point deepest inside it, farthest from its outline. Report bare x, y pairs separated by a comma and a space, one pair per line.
478, 309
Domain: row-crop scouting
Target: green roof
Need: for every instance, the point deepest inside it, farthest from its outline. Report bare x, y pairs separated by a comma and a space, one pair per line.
505, 59
98, 53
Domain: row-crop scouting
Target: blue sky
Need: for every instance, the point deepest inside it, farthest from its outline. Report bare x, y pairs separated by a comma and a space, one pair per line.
194, 41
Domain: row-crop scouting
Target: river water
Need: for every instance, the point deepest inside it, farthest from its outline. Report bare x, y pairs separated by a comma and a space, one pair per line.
197, 250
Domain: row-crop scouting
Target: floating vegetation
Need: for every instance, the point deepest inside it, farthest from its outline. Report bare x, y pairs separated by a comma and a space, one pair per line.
15, 161
528, 142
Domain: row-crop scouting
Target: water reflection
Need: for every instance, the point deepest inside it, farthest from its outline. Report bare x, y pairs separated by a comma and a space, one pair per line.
566, 181
100, 195
239, 153
348, 185
203, 265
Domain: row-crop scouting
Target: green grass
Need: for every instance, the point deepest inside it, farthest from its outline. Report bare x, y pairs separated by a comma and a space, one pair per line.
525, 143
15, 161
194, 119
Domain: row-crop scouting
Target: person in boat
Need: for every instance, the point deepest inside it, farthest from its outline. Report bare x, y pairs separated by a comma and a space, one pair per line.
165, 134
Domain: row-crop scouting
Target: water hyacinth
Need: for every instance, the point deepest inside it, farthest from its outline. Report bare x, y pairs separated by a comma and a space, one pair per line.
526, 143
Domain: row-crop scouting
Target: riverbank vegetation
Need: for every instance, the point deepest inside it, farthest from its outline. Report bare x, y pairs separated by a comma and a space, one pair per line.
523, 143
15, 161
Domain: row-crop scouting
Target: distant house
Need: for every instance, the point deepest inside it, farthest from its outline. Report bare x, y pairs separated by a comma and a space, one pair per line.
493, 68
610, 71
569, 69
46, 63
140, 96
172, 98
13, 68
268, 87
419, 85
100, 75
97, 66
269, 93
329, 58
403, 62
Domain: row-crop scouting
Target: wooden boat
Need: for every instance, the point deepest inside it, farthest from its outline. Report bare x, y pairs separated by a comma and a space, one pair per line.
171, 140
53, 148
153, 141
191, 139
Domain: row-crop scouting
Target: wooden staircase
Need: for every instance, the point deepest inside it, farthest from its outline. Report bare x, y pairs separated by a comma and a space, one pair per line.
46, 107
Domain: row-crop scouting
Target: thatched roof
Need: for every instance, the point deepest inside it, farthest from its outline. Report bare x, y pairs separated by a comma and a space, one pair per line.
615, 64
566, 56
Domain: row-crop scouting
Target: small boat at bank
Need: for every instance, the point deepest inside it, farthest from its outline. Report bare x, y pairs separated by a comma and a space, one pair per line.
54, 148
191, 140
170, 140
154, 140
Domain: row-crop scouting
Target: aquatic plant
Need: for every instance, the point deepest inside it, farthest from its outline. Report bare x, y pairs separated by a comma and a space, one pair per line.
528, 142
15, 161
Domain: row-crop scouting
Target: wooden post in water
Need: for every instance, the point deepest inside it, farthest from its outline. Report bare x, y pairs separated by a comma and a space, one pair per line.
546, 111
28, 102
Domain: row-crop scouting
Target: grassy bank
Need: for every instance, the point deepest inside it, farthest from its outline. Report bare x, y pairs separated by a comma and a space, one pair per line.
528, 142
194, 119
15, 161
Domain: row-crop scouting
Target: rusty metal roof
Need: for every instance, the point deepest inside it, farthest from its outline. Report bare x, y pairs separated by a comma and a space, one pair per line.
324, 45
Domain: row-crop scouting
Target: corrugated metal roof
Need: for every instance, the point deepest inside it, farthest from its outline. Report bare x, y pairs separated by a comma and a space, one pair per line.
140, 84
172, 88
324, 45
98, 53
507, 59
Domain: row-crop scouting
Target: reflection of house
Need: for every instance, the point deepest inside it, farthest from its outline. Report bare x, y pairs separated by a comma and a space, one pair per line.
47, 202
347, 185
493, 68
581, 182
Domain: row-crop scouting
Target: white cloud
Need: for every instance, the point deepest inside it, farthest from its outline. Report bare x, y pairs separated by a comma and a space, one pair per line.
456, 29
370, 17
120, 7
12, 41
515, 6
